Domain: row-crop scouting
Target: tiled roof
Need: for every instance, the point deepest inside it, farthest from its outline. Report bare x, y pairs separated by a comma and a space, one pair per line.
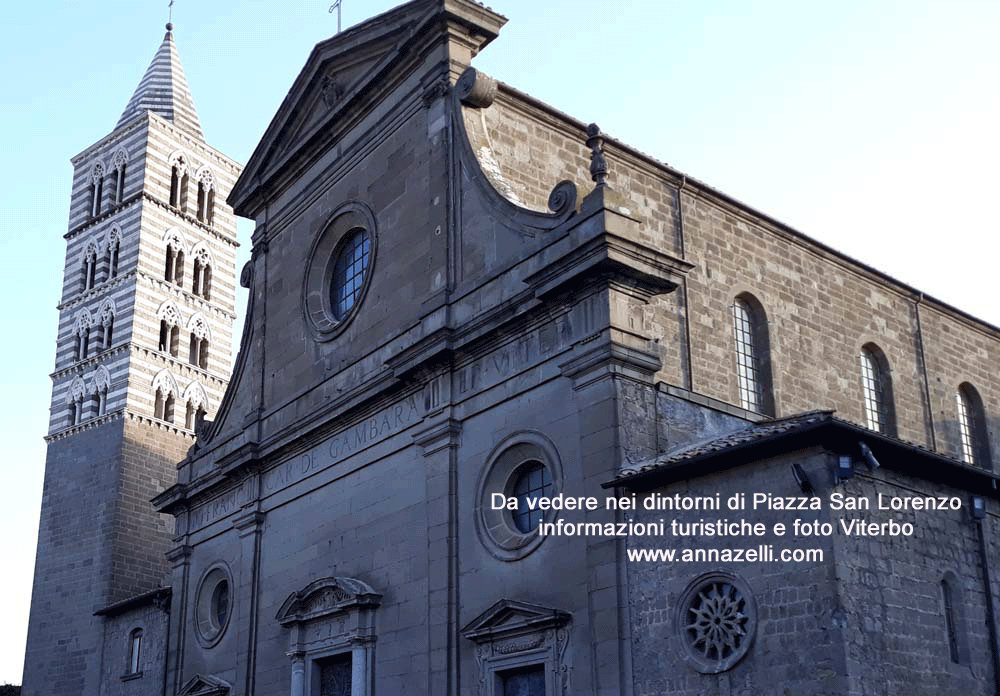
739, 438
769, 434
164, 91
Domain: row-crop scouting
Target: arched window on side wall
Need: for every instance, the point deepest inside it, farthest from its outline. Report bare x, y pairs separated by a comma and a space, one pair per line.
973, 434
753, 359
876, 388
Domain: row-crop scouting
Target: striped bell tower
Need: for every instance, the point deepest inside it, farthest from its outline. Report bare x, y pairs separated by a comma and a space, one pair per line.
143, 356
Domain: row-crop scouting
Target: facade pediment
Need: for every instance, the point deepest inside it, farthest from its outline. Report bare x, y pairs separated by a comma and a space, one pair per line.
201, 685
346, 73
509, 618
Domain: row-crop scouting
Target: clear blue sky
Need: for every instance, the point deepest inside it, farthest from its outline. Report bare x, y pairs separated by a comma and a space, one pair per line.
869, 126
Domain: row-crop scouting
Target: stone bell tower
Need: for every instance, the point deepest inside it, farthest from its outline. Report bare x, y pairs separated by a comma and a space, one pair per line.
143, 356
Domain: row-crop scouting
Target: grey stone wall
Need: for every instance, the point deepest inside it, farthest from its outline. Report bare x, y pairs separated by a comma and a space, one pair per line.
867, 620
117, 679
798, 647
72, 563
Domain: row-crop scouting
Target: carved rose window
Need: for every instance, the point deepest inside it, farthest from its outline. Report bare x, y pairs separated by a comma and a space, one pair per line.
716, 621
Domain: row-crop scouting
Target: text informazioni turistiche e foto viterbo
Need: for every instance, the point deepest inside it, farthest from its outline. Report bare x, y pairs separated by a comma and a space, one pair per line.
725, 522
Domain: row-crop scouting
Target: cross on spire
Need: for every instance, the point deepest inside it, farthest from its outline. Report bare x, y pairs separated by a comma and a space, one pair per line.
334, 6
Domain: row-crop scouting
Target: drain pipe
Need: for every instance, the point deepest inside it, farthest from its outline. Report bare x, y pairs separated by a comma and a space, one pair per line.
684, 284
923, 368
978, 512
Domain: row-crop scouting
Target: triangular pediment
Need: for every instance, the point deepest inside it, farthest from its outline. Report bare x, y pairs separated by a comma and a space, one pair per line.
200, 685
345, 76
335, 81
508, 618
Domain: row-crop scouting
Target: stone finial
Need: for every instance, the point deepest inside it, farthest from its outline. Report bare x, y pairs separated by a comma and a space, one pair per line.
598, 163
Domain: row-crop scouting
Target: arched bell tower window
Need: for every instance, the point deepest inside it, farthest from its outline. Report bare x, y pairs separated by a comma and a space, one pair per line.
196, 405
972, 429
118, 163
752, 350
198, 351
170, 332
107, 321
163, 406
76, 397
101, 380
84, 321
173, 270
178, 182
90, 266
165, 389
114, 251
876, 385
96, 189
206, 196
201, 280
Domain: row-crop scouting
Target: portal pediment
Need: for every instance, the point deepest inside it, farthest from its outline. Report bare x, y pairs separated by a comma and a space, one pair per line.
201, 685
509, 618
326, 597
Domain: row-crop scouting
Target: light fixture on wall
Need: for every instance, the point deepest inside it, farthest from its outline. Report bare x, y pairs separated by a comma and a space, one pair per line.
869, 457
801, 478
844, 469
978, 507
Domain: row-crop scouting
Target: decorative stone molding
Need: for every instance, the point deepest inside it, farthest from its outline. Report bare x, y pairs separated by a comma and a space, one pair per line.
205, 686
513, 635
331, 618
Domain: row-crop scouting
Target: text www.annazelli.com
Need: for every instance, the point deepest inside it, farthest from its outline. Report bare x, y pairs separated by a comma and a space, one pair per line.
761, 554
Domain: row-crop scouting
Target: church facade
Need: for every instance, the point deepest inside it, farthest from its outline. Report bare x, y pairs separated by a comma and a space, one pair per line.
460, 298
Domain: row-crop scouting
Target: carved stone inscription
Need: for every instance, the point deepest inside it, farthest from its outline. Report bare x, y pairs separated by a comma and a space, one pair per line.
512, 357
370, 431
226, 504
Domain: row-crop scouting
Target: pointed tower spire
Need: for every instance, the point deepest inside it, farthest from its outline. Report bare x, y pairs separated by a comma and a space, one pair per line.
164, 90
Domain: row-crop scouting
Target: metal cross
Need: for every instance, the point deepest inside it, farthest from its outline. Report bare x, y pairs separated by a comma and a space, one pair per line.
170, 11
334, 6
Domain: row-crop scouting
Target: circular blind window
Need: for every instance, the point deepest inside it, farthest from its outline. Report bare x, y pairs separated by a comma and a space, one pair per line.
213, 605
